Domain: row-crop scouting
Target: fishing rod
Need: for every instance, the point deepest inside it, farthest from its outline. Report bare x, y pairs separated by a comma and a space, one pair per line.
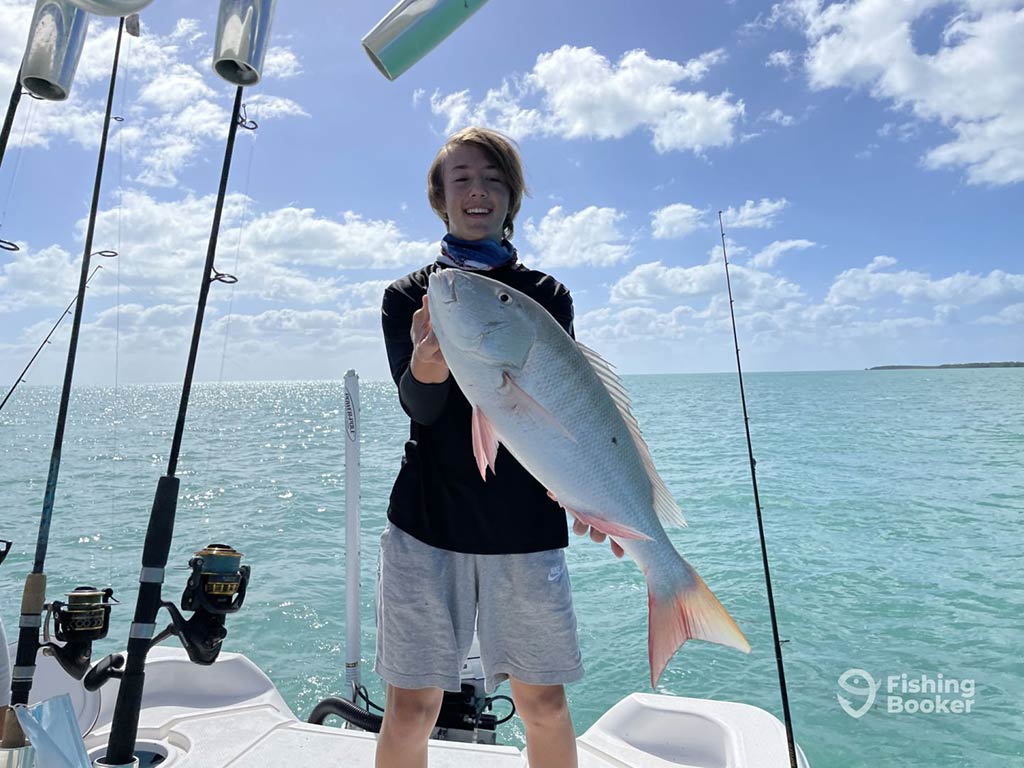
5, 134
87, 609
46, 341
203, 634
217, 584
12, 108
760, 524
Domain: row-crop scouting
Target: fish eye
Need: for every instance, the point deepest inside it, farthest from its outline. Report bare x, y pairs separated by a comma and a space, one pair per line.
504, 298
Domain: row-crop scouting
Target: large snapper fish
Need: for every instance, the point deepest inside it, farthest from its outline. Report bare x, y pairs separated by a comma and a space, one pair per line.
562, 412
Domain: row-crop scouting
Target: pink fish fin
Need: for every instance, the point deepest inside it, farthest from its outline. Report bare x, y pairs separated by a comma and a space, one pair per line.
617, 549
522, 399
665, 506
690, 612
485, 442
618, 530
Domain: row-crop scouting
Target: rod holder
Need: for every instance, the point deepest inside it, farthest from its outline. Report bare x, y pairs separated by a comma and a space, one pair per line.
54, 46
243, 36
112, 7
22, 757
101, 762
412, 29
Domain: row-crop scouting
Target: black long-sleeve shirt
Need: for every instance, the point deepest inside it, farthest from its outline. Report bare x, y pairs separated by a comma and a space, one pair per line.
439, 496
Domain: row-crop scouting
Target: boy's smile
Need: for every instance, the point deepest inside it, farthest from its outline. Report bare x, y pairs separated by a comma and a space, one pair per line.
476, 195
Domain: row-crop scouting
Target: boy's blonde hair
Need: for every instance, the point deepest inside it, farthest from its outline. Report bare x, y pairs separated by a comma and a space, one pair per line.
501, 150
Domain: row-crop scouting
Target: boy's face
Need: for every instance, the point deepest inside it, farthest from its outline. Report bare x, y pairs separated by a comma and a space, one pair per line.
476, 195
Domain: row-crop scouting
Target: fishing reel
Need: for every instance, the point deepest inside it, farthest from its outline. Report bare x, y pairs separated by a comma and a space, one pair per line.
84, 618
215, 588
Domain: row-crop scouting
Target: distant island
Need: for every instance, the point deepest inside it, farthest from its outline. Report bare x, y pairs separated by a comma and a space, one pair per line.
946, 365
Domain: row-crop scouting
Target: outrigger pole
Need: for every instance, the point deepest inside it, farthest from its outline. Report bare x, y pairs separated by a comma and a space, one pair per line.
790, 742
34, 593
46, 341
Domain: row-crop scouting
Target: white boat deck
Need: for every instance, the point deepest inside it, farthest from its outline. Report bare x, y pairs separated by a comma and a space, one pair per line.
230, 715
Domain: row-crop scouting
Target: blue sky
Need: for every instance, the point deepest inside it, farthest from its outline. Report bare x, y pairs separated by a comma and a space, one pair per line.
869, 157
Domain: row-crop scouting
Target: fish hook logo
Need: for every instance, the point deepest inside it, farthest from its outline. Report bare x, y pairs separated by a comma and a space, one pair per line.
852, 687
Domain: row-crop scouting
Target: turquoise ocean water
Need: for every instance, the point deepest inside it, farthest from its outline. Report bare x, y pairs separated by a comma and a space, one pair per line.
893, 506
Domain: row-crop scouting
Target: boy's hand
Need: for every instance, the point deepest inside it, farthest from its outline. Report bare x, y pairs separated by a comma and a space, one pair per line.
428, 365
580, 529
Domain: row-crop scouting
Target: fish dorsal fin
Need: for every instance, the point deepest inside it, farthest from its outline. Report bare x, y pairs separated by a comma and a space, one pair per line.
665, 506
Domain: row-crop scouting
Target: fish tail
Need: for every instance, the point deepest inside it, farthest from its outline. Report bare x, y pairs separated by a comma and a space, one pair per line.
688, 610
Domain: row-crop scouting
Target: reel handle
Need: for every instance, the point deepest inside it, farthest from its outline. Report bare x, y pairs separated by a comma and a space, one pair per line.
106, 668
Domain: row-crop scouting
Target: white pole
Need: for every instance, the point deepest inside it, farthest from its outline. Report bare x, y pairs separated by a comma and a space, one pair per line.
352, 627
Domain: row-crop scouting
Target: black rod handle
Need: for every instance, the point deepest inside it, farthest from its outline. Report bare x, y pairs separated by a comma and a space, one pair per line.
121, 747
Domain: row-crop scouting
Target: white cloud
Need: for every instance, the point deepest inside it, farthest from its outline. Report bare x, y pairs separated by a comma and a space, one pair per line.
902, 132
300, 236
589, 237
863, 284
759, 215
260, 106
161, 242
176, 89
865, 153
779, 117
136, 316
159, 327
715, 252
973, 84
654, 281
766, 258
675, 221
584, 95
281, 62
309, 326
631, 324
47, 277
1010, 315
152, 343
283, 255
648, 282
780, 59
368, 293
656, 309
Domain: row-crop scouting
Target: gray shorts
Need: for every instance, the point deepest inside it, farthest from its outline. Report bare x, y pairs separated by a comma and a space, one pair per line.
429, 600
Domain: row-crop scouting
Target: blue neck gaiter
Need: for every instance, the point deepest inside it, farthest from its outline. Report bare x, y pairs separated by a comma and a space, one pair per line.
479, 255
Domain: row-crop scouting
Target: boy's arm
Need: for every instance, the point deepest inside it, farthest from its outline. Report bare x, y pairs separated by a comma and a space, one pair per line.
422, 402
